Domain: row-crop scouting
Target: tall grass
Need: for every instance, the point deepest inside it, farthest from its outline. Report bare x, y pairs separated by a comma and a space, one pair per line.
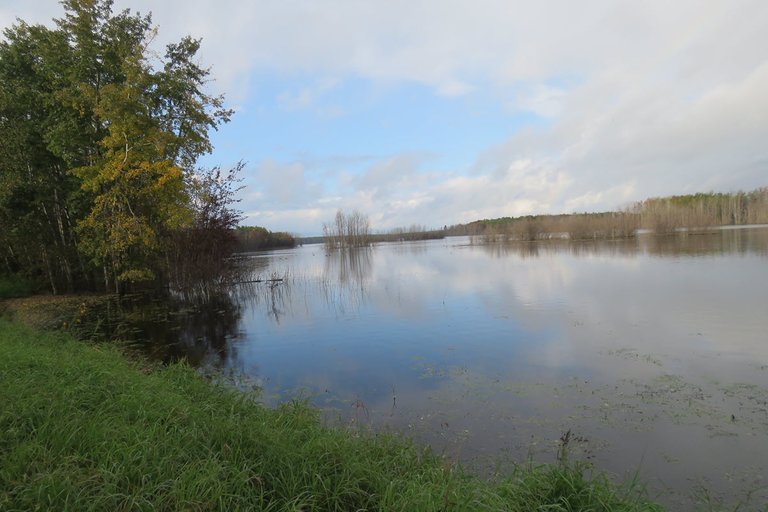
82, 428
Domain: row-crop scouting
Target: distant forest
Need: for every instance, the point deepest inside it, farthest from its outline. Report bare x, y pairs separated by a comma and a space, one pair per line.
662, 215
256, 238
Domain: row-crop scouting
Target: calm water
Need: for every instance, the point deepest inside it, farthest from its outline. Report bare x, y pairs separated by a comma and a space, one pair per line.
653, 352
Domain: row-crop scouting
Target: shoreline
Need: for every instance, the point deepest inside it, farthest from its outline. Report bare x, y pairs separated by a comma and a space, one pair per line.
87, 428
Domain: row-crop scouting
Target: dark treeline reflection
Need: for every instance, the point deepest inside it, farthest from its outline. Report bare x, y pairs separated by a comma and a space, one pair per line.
198, 333
722, 241
702, 243
166, 327
525, 250
196, 324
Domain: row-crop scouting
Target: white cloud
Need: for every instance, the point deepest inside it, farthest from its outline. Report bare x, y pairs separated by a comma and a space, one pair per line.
397, 191
307, 96
280, 185
595, 200
287, 220
543, 100
441, 42
397, 173
454, 88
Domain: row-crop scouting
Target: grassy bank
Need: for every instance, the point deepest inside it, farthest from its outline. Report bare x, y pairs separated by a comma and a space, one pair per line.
83, 428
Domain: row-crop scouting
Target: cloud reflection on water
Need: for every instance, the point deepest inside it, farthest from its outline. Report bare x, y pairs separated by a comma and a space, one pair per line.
643, 347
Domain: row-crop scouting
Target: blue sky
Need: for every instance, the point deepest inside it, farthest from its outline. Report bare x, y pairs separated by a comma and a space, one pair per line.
300, 117
437, 112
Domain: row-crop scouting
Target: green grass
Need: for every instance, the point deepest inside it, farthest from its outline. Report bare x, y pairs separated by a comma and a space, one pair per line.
84, 428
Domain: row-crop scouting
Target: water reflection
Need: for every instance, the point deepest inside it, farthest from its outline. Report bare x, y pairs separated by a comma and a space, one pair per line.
270, 295
650, 350
699, 243
169, 329
348, 267
723, 241
625, 247
347, 273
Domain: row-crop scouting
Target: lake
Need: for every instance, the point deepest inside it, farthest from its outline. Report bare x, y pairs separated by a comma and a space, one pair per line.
646, 356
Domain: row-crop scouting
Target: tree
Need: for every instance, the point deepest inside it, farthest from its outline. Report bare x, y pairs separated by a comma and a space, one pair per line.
99, 144
347, 230
200, 251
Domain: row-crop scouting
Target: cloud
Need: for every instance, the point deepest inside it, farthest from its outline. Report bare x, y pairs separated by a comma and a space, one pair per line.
589, 200
453, 88
307, 96
543, 100
431, 198
283, 220
392, 174
281, 185
441, 42
394, 191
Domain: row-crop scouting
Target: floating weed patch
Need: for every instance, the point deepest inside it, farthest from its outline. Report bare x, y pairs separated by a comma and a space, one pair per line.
633, 355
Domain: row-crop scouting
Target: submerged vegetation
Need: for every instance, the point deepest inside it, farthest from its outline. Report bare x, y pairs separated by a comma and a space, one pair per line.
347, 230
83, 429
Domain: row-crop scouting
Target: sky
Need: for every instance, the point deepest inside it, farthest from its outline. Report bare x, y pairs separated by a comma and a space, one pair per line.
437, 112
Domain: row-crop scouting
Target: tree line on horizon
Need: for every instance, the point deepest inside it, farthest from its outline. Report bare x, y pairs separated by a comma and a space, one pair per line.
99, 139
257, 238
350, 230
660, 215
